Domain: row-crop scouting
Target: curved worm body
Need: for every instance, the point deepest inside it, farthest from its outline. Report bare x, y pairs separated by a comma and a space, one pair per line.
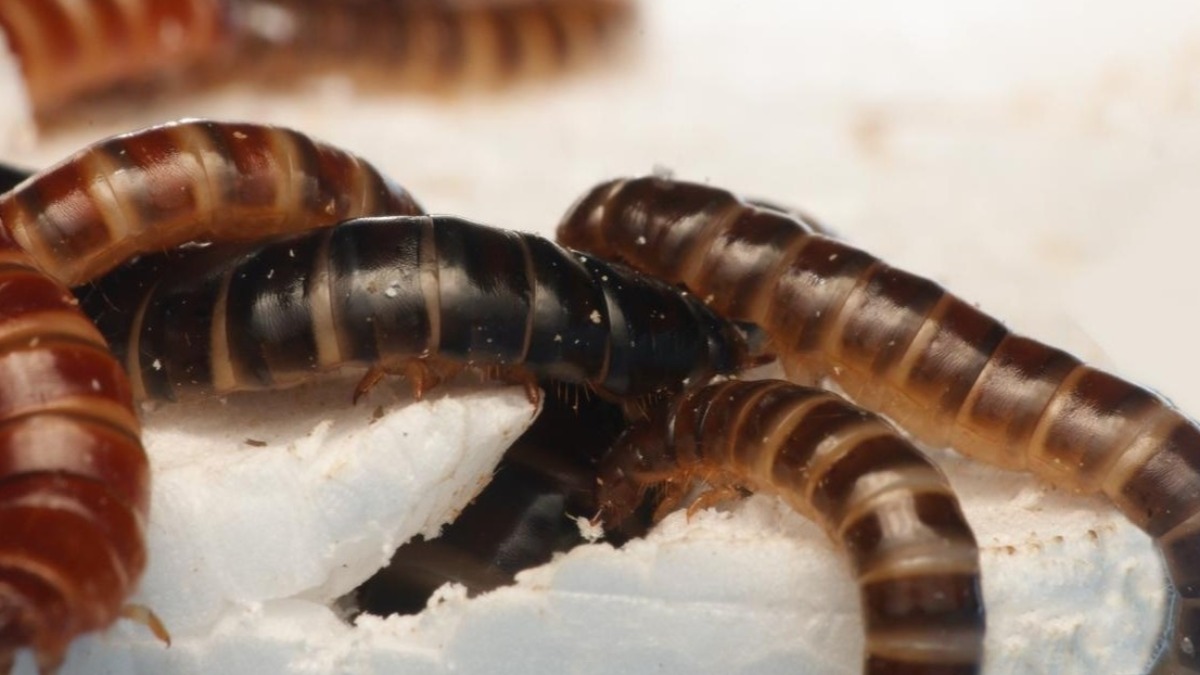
879, 498
429, 43
71, 47
424, 296
73, 476
902, 345
194, 180
521, 518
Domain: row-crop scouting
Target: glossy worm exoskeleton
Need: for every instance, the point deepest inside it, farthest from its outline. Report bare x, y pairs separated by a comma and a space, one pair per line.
879, 498
186, 181
904, 346
73, 477
69, 47
429, 43
423, 296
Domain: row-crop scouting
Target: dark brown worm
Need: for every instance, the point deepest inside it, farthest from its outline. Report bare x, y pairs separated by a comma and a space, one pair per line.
73, 476
902, 345
424, 296
193, 180
428, 43
879, 498
71, 47
521, 518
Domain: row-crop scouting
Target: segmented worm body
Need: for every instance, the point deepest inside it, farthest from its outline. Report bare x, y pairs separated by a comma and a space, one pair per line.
879, 498
429, 43
70, 47
423, 296
73, 476
194, 180
902, 345
523, 516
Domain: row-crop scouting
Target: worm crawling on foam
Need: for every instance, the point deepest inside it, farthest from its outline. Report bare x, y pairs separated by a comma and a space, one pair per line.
193, 180
71, 47
879, 498
902, 345
423, 296
428, 43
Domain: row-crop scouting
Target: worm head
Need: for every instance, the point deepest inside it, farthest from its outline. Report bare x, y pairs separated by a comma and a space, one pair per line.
626, 473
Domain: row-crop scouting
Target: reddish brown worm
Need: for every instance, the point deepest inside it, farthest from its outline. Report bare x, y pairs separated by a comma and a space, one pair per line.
73, 475
879, 498
429, 43
902, 345
70, 48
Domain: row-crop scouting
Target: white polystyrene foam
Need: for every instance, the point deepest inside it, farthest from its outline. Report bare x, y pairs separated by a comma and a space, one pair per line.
298, 494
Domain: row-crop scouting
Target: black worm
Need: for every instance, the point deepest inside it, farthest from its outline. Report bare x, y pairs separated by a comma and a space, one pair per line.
423, 296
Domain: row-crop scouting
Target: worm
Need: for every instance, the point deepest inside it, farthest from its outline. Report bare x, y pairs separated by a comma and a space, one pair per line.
73, 475
879, 498
67, 48
428, 43
186, 181
521, 518
940, 368
423, 296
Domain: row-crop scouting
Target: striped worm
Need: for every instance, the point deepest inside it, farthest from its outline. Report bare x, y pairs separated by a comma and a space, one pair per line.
67, 49
879, 498
902, 345
186, 181
428, 43
73, 475
423, 296
70, 47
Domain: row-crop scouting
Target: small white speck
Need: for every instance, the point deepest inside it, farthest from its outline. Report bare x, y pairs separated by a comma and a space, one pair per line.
241, 136
640, 241
558, 337
392, 291
591, 532
270, 273
157, 365
291, 253
832, 257
95, 384
595, 316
